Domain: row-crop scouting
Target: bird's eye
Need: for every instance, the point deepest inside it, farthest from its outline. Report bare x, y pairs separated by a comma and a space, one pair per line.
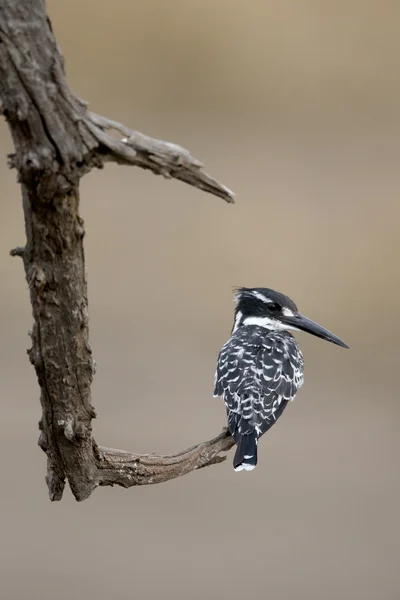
273, 307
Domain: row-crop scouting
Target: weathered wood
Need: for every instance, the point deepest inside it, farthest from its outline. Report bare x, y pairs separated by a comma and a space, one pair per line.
57, 140
128, 469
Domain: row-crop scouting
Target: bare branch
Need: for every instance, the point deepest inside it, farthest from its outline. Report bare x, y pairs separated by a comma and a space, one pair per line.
18, 251
66, 131
163, 158
56, 142
118, 467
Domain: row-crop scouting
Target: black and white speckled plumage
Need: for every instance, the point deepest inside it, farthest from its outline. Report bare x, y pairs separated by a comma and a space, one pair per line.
260, 368
258, 373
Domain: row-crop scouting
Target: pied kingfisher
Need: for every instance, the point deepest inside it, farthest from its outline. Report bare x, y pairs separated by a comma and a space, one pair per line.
260, 368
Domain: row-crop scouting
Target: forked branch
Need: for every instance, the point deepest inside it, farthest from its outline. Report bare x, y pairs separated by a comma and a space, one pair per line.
57, 140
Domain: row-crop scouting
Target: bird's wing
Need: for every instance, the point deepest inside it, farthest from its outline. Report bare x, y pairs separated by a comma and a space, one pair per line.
235, 367
234, 360
257, 378
279, 366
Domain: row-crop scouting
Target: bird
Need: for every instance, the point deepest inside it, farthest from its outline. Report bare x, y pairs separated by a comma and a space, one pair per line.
261, 367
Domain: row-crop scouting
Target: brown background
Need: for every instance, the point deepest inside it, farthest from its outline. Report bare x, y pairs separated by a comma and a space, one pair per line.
295, 106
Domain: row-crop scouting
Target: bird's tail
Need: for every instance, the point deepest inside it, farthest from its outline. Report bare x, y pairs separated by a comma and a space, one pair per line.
246, 452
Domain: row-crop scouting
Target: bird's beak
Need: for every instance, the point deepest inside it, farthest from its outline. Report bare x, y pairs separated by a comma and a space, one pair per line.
298, 321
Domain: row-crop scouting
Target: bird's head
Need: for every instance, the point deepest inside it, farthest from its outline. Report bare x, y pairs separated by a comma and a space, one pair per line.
275, 311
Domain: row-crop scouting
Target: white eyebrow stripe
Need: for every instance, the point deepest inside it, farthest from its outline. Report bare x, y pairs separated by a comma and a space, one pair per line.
287, 312
261, 297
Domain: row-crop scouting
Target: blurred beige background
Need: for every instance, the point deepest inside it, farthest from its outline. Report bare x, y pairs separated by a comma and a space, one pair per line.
295, 106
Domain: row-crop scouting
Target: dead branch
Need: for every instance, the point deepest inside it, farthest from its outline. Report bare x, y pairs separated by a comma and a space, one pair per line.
163, 158
127, 469
57, 141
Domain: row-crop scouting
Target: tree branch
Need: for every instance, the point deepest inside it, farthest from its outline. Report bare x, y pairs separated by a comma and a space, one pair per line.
57, 140
127, 469
163, 158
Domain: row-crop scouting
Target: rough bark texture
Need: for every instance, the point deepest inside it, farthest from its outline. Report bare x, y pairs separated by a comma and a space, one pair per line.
57, 140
